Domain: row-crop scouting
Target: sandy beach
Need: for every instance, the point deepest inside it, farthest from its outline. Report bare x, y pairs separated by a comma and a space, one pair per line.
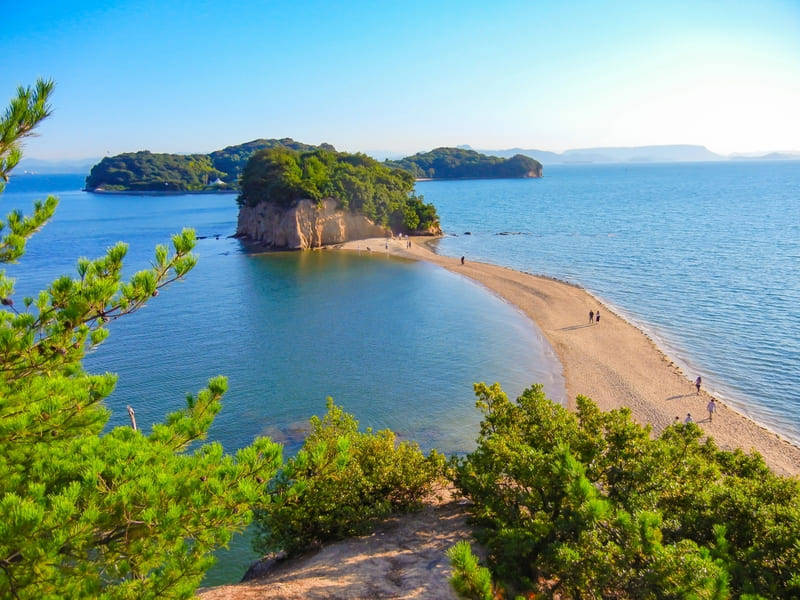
612, 362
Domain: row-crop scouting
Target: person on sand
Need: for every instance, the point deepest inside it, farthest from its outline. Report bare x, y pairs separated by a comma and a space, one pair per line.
688, 418
591, 316
597, 316
697, 383
712, 408
462, 260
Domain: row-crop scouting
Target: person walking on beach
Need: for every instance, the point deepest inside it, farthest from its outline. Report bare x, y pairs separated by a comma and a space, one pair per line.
462, 260
591, 316
712, 408
597, 316
697, 383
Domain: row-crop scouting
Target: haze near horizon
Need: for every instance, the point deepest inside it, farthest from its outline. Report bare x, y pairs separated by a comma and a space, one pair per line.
407, 77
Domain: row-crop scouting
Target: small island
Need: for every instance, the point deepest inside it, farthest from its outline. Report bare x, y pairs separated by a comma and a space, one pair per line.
461, 163
221, 170
298, 200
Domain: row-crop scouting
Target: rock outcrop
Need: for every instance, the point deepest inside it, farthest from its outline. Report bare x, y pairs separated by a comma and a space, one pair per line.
305, 225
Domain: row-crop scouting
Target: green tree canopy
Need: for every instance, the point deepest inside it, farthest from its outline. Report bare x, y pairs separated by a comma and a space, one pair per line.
151, 172
461, 163
148, 172
340, 483
589, 505
359, 183
83, 513
231, 160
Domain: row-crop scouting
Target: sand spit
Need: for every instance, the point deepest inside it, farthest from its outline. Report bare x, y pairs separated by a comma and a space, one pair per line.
613, 362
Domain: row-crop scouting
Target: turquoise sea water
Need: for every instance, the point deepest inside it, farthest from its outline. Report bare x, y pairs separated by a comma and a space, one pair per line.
397, 343
703, 257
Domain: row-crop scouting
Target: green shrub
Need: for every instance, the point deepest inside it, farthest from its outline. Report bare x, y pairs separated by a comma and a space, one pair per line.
593, 505
340, 483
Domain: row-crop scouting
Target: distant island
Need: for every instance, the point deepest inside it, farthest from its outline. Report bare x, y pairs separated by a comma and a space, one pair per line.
463, 163
635, 154
669, 153
221, 170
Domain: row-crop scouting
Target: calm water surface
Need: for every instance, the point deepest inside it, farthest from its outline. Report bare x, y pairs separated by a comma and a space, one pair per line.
703, 257
397, 343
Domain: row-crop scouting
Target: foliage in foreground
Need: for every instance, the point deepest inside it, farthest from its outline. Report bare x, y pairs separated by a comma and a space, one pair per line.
359, 183
340, 483
84, 514
595, 507
469, 579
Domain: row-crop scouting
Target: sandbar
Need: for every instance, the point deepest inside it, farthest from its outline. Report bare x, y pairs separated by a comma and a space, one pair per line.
612, 362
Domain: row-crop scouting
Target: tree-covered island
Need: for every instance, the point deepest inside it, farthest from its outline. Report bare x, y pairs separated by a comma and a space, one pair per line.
146, 171
221, 170
281, 177
461, 163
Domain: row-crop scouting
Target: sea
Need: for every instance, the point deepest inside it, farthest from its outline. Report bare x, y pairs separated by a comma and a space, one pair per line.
703, 257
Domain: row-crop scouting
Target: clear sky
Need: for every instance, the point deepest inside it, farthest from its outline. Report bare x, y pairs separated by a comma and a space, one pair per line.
196, 76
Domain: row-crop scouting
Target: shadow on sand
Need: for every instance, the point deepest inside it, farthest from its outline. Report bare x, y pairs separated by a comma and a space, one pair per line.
573, 327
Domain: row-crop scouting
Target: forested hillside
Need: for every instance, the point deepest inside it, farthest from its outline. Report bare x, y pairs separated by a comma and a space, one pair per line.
157, 172
460, 163
231, 160
147, 172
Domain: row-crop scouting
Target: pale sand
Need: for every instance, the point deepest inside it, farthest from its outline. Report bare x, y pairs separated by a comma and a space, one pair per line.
612, 362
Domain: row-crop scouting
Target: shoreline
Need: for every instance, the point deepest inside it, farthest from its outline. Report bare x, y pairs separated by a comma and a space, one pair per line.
613, 362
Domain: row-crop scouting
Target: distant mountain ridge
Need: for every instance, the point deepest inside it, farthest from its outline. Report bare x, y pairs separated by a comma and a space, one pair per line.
55, 167
637, 154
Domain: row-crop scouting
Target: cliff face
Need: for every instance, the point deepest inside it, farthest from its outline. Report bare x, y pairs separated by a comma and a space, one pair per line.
306, 225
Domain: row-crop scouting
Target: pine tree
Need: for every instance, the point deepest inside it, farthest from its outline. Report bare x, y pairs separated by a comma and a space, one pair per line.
86, 513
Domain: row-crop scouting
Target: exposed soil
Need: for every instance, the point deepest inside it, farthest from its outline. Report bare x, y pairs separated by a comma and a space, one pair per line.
403, 558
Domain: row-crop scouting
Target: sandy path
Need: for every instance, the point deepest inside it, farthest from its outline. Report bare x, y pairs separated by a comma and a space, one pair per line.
404, 558
612, 362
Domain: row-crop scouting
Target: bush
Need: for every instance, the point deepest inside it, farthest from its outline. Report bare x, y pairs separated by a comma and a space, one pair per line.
593, 505
340, 483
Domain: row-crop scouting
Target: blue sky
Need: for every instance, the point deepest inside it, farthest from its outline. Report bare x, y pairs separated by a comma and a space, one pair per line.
195, 76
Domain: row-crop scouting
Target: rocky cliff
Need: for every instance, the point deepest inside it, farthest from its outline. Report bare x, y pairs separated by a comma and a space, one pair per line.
305, 225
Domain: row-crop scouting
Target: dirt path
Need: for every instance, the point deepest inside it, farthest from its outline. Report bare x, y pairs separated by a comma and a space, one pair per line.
403, 559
